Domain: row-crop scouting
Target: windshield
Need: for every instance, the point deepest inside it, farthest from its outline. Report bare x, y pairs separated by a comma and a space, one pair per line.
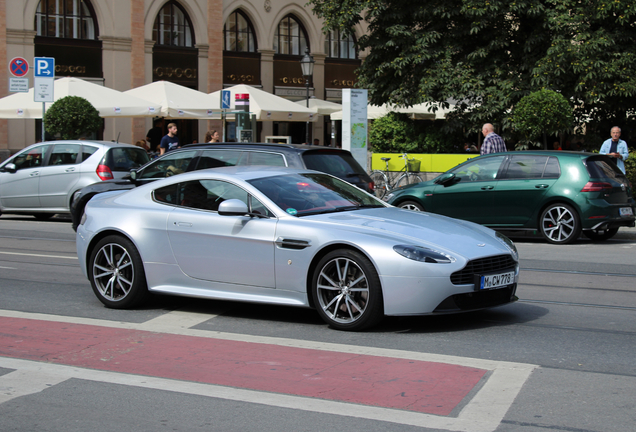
307, 194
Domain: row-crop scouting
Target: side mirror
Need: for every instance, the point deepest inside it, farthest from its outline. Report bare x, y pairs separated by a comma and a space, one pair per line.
233, 207
445, 178
133, 174
10, 167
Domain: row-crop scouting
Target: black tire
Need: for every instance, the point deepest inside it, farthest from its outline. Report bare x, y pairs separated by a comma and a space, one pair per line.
341, 305
121, 281
600, 235
381, 186
43, 216
559, 224
411, 205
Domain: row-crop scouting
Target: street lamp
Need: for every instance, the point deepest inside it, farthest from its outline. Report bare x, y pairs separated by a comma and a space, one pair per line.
307, 65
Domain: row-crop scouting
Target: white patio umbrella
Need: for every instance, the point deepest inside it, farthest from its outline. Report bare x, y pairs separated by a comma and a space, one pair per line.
268, 107
177, 101
321, 107
420, 112
109, 102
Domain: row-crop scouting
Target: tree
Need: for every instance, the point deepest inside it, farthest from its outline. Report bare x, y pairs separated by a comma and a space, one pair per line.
393, 133
488, 55
542, 113
72, 117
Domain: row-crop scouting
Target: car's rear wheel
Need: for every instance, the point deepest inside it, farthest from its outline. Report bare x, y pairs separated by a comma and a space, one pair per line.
116, 273
346, 291
600, 235
380, 182
411, 205
559, 224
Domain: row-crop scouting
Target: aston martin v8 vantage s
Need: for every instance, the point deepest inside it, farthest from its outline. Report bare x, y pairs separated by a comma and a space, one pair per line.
289, 237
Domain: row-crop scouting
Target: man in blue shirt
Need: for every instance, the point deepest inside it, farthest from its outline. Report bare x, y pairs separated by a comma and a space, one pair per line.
616, 148
170, 141
493, 142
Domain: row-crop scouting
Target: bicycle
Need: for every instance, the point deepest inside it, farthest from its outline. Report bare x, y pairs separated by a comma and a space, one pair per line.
382, 182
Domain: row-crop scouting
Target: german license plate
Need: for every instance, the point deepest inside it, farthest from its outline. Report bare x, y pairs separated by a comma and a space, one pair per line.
497, 280
626, 211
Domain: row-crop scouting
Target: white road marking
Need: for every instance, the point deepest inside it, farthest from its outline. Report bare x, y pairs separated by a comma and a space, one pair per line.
39, 255
483, 413
8, 268
27, 380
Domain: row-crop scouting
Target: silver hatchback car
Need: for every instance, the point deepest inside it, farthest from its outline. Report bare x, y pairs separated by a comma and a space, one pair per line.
41, 179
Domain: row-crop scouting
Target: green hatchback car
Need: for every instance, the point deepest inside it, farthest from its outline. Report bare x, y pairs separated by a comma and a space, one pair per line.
558, 193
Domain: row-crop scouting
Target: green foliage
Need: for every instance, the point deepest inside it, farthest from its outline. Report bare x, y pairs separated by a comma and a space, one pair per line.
630, 168
541, 113
489, 55
393, 133
72, 117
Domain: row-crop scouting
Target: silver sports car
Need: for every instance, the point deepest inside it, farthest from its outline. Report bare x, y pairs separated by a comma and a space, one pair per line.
289, 237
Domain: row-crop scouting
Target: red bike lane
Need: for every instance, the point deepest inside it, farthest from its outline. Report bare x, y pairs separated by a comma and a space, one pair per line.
418, 386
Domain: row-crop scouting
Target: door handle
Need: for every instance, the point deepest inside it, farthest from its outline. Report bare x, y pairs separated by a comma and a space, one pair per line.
69, 169
541, 186
183, 224
487, 187
34, 173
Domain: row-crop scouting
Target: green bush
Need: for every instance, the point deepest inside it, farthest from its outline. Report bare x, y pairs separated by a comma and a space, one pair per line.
544, 112
72, 117
393, 133
630, 167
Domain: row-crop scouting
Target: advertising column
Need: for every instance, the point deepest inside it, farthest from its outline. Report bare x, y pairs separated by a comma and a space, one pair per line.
354, 124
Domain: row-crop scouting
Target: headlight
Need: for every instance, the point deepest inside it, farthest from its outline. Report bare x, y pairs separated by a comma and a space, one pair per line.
422, 254
505, 240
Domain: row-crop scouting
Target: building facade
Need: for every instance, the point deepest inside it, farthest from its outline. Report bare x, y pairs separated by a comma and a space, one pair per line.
202, 44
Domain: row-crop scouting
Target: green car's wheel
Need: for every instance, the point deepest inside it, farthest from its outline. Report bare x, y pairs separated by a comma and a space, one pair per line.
559, 224
411, 205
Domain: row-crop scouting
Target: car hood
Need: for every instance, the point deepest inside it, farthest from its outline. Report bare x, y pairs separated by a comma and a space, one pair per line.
422, 228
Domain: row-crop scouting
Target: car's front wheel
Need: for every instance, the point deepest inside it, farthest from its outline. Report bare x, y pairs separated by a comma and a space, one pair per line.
559, 224
346, 291
600, 235
411, 205
116, 273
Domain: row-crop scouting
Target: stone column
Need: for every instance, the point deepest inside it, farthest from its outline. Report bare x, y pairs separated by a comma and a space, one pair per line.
215, 53
267, 81
318, 81
137, 62
116, 51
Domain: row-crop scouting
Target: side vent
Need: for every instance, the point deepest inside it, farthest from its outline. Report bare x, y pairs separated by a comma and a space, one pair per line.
287, 243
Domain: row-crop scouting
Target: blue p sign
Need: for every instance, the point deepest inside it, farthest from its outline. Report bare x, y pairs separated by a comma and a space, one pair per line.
44, 67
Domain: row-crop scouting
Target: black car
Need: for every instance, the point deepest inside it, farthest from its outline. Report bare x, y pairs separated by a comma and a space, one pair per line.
334, 161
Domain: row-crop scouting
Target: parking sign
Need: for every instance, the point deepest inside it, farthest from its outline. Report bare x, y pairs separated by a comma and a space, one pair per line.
44, 67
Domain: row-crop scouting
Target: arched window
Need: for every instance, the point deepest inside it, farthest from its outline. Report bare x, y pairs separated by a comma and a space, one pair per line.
340, 46
238, 33
290, 37
73, 19
172, 27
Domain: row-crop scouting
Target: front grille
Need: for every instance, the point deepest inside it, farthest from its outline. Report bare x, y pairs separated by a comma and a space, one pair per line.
482, 266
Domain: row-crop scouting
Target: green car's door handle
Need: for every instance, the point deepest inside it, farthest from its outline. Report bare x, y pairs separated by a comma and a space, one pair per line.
487, 187
541, 186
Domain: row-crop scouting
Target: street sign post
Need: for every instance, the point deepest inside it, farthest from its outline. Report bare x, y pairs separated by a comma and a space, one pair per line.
44, 73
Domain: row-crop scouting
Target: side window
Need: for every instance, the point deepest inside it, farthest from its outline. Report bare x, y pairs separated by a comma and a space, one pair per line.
87, 151
64, 154
209, 194
166, 194
526, 167
30, 158
125, 158
479, 170
218, 158
173, 163
552, 168
271, 159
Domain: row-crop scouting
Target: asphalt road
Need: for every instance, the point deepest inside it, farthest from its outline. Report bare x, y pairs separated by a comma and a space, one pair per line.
562, 358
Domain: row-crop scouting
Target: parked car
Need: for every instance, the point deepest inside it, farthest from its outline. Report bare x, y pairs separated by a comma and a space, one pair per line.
42, 179
213, 155
289, 237
560, 194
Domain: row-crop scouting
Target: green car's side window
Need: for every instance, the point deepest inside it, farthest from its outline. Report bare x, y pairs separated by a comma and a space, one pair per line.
532, 167
480, 169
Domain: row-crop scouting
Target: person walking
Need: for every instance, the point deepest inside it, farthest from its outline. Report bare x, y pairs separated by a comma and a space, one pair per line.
212, 136
493, 143
153, 137
170, 141
616, 148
